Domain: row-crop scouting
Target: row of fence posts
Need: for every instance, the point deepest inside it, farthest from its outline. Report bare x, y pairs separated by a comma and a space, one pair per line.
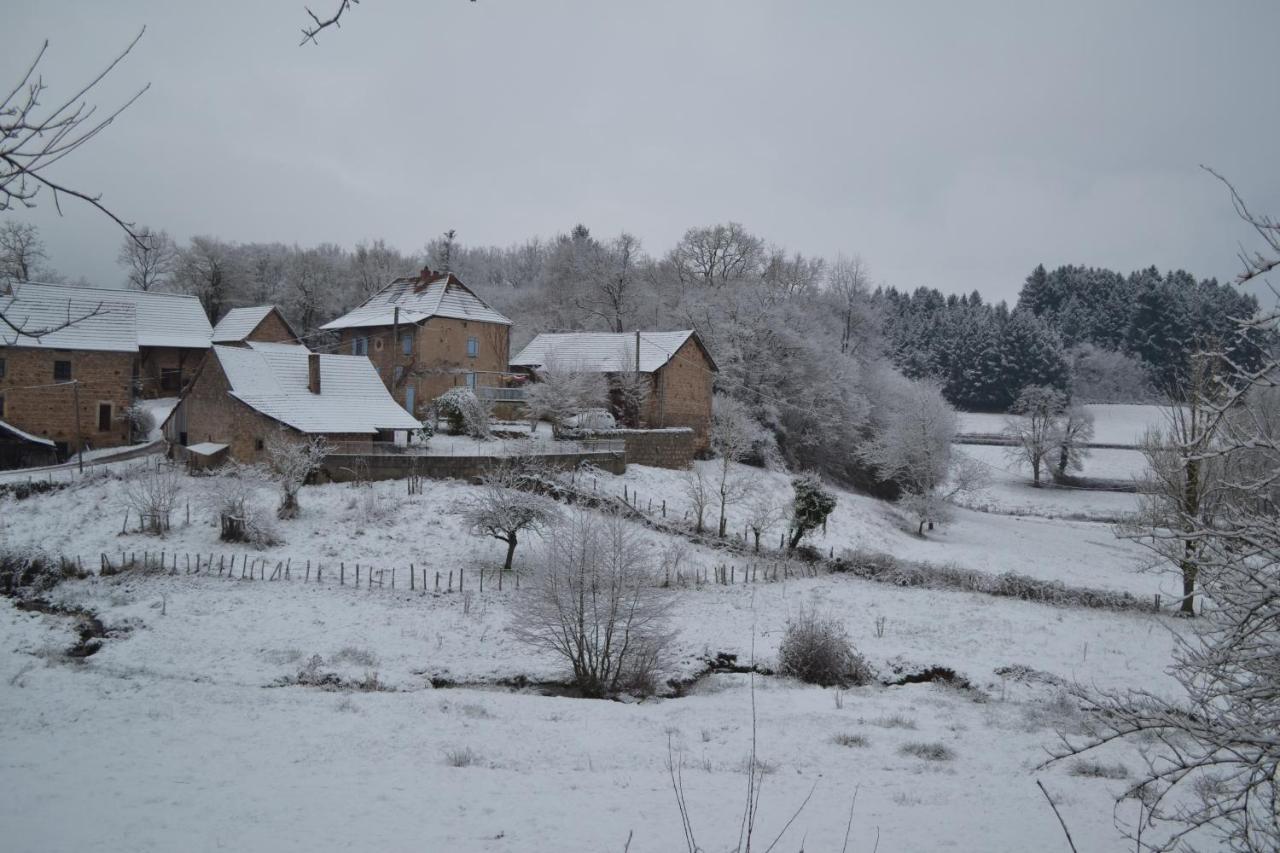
256, 568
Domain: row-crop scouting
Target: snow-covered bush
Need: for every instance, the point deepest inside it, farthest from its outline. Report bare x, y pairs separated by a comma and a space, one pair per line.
816, 649
562, 392
232, 496
139, 419
595, 603
463, 411
151, 490
292, 462
810, 507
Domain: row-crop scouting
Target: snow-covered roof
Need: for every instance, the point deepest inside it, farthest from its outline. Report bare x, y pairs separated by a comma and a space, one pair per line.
240, 322
602, 352
273, 380
25, 436
419, 298
206, 448
276, 345
94, 324
153, 319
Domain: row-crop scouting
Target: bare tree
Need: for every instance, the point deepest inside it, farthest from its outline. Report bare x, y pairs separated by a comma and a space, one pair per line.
717, 255
595, 603
563, 391
614, 285
318, 25
763, 512
292, 462
699, 491
1034, 427
731, 436
149, 260
504, 509
22, 253
1213, 759
151, 490
374, 265
1182, 489
209, 269
849, 283
1074, 432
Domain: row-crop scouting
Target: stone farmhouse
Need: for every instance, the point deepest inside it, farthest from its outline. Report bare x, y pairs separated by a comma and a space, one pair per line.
72, 385
426, 334
245, 394
262, 323
676, 365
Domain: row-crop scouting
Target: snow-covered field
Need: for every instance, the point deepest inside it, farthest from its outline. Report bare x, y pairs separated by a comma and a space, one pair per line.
1010, 491
1113, 423
174, 737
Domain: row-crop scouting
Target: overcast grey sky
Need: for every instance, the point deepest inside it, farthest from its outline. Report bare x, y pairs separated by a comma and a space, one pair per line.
953, 145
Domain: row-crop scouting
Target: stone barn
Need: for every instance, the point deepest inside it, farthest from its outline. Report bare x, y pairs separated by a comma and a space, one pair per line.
261, 323
244, 395
678, 370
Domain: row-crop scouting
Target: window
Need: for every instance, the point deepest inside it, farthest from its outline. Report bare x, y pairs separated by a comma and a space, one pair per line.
104, 417
258, 444
1, 368
473, 347
471, 380
62, 371
410, 395
406, 346
377, 343
397, 373
359, 346
170, 379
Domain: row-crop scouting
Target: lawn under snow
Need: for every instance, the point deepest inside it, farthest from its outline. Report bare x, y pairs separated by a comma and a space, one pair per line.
174, 737
1009, 489
1113, 423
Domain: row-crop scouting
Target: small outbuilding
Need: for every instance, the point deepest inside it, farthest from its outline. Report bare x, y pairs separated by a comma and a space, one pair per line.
261, 323
20, 449
678, 368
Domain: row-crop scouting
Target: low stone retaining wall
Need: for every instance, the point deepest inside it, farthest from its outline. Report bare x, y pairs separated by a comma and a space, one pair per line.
343, 468
672, 447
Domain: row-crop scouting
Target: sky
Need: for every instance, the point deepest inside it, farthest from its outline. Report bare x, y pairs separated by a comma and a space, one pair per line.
951, 145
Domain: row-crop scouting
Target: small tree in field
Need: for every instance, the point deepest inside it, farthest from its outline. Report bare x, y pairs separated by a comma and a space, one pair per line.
595, 603
504, 511
698, 489
809, 508
1035, 426
1073, 434
731, 437
763, 512
291, 463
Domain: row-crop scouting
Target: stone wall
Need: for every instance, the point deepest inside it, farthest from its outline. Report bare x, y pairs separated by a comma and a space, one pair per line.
394, 466
271, 329
180, 364
104, 379
659, 448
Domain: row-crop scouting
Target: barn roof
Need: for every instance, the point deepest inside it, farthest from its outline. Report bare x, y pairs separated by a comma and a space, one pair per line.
24, 436
239, 323
604, 352
420, 297
124, 319
273, 381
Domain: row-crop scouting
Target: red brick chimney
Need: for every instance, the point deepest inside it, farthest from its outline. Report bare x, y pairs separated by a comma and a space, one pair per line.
423, 278
313, 372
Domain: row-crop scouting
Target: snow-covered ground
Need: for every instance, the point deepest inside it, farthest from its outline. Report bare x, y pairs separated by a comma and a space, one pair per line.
1115, 423
1010, 491
174, 736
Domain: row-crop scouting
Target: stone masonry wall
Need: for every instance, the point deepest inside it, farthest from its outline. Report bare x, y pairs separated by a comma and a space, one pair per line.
658, 448
271, 329
683, 395
397, 466
104, 378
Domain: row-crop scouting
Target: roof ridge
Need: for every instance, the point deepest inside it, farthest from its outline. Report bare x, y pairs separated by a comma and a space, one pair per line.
129, 290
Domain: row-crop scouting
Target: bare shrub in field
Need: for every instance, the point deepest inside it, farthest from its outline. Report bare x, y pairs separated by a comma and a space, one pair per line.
928, 751
233, 495
816, 649
463, 756
292, 463
595, 602
151, 490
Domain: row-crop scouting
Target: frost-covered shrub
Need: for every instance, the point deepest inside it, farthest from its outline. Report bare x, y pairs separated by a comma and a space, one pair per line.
816, 649
1099, 770
232, 496
31, 571
139, 419
462, 410
928, 751
151, 490
809, 508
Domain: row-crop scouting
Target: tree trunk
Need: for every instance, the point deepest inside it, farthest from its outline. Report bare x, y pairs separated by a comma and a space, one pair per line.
756, 534
511, 552
795, 538
1035, 473
722, 521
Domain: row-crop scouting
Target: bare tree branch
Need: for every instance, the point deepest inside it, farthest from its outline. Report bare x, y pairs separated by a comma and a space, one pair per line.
309, 33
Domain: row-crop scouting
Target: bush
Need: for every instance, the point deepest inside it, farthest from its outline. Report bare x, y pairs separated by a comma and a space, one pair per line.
1099, 770
151, 490
809, 508
460, 757
816, 650
463, 412
850, 740
232, 495
32, 572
